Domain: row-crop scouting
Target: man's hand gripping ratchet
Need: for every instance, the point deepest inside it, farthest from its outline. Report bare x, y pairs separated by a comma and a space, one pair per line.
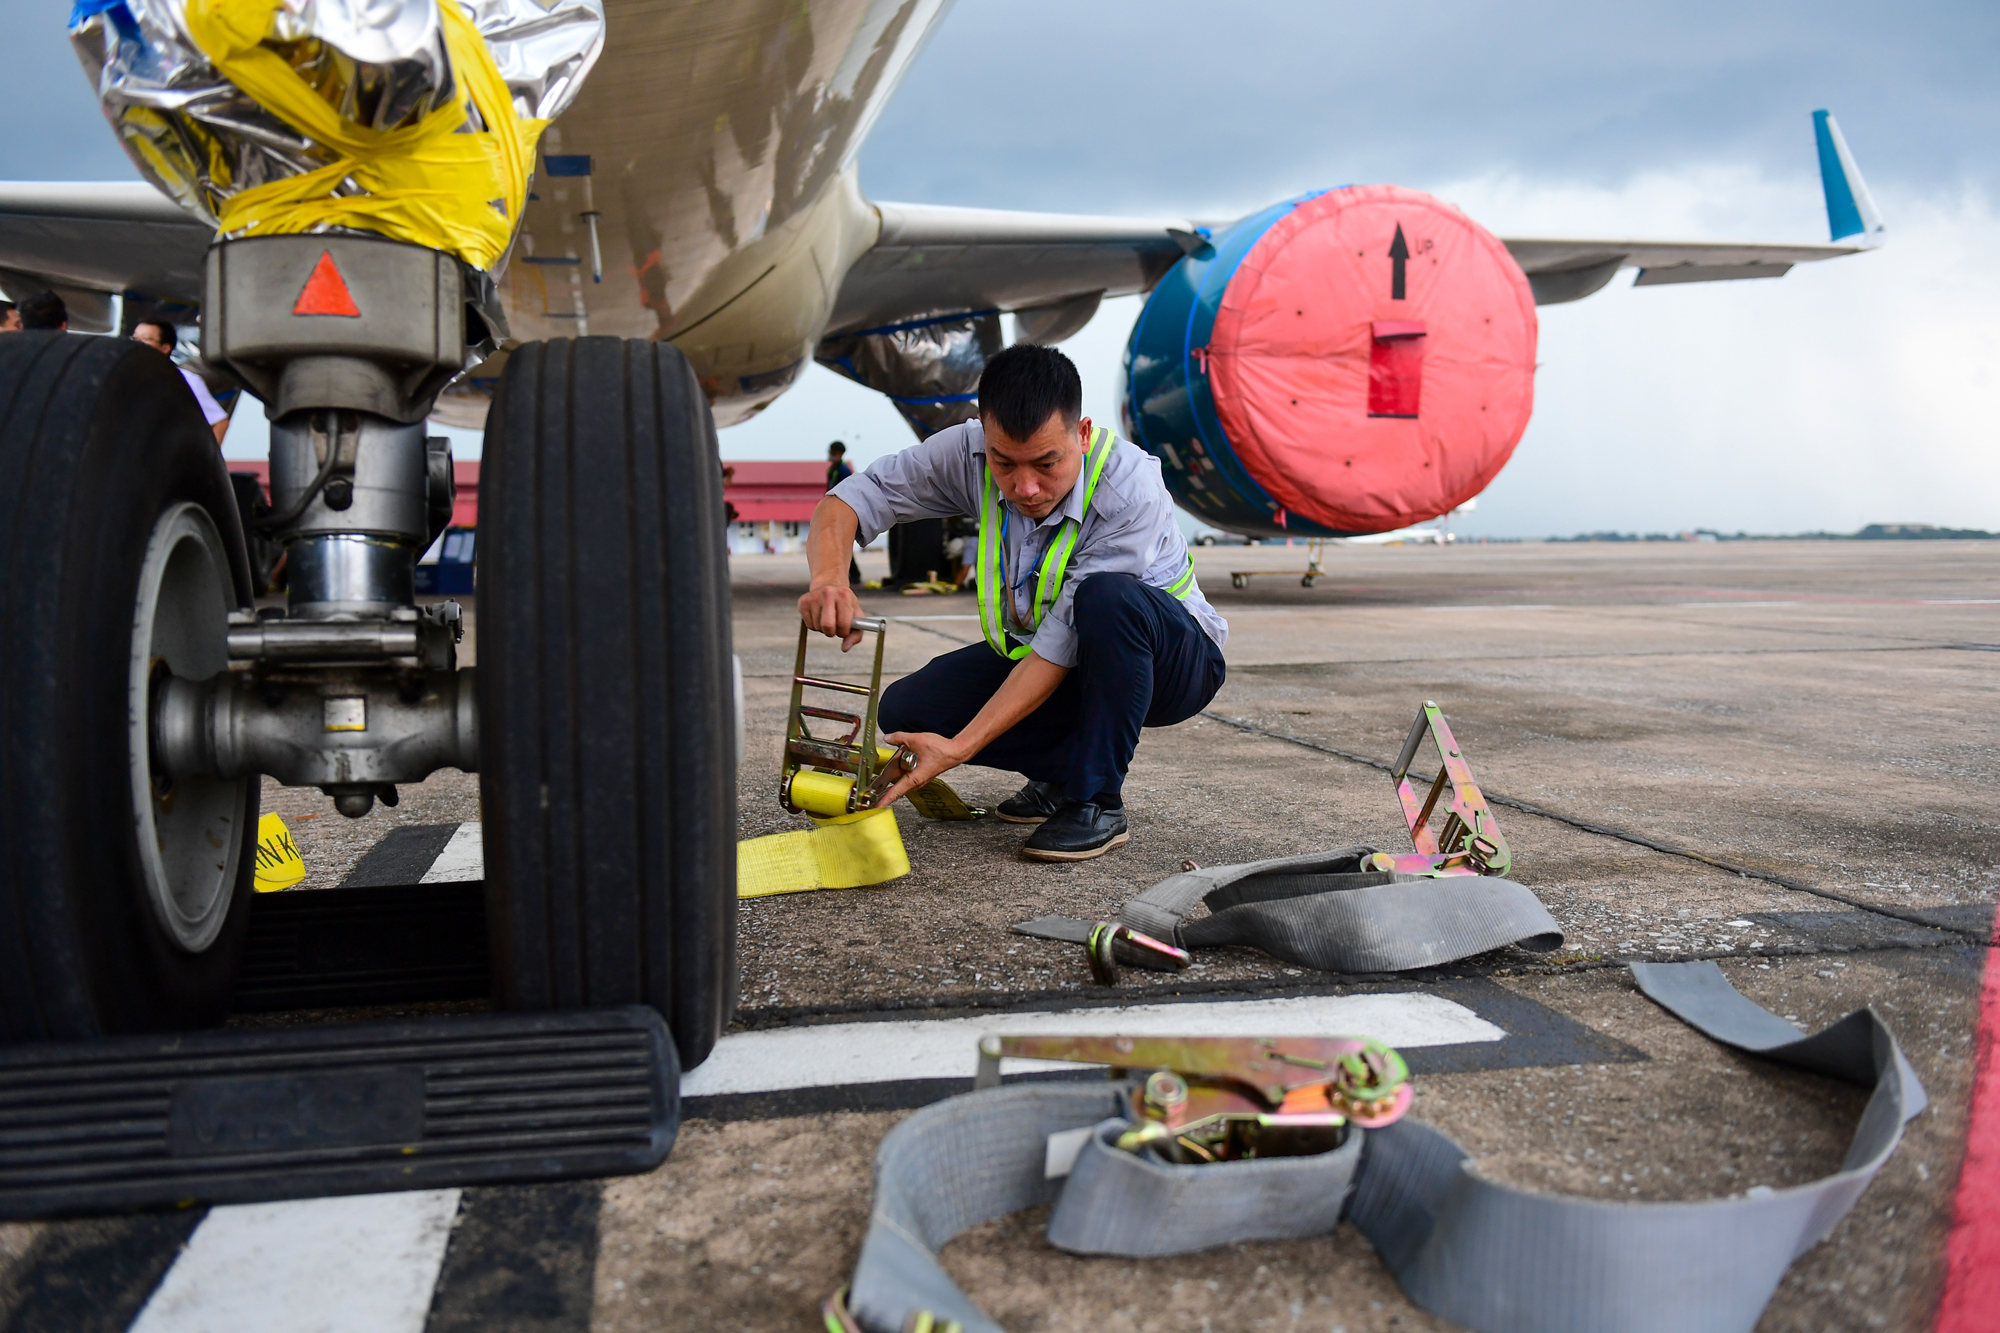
832, 611
934, 756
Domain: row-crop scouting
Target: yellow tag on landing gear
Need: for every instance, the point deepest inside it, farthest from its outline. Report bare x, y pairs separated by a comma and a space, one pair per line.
279, 865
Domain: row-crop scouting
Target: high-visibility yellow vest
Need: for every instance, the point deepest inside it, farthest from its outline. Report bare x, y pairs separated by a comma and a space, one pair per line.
1055, 560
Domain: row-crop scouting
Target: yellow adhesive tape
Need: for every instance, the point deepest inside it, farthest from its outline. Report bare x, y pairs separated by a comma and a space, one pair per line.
279, 865
436, 183
847, 852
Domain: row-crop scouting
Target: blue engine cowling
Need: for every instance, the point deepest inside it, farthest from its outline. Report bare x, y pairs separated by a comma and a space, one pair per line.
1168, 405
1350, 361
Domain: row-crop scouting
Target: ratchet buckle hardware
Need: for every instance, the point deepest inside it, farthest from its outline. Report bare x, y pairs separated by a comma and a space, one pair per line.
839, 1319
847, 774
1111, 944
1226, 1099
1470, 841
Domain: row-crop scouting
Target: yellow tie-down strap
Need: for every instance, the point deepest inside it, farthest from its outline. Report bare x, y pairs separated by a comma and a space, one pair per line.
844, 852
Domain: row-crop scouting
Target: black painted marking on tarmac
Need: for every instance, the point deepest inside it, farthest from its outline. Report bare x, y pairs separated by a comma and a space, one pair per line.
901, 1095
402, 857
521, 1258
1537, 1036
1842, 931
1975, 919
1602, 830
95, 1276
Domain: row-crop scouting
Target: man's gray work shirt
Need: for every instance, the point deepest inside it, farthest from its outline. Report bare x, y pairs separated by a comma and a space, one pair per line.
1130, 528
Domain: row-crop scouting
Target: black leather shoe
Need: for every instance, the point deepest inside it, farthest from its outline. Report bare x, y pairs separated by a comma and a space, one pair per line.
1077, 832
1032, 804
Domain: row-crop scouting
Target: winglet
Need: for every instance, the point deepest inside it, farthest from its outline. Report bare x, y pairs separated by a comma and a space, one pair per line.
1850, 209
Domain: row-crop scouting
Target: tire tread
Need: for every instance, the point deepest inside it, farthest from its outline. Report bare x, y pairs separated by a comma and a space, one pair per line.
608, 777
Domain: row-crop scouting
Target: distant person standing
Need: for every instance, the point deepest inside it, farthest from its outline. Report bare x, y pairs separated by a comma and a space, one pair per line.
10, 317
45, 311
159, 335
838, 469
729, 514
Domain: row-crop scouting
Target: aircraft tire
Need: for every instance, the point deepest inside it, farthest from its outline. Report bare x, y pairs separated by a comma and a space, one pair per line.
606, 689
126, 896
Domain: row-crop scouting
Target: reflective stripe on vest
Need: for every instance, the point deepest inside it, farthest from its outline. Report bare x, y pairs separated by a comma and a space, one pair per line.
1055, 560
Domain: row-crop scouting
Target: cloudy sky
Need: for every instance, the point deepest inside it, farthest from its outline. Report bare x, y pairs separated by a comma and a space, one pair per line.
1862, 390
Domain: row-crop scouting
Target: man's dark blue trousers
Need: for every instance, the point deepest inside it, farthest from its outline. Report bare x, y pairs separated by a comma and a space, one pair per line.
1142, 661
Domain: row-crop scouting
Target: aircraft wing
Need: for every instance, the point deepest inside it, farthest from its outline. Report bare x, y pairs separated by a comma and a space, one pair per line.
933, 260
1561, 271
88, 239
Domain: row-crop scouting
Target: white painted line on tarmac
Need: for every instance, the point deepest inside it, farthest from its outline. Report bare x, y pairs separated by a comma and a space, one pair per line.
1685, 606
1960, 601
364, 1264
840, 1054
463, 858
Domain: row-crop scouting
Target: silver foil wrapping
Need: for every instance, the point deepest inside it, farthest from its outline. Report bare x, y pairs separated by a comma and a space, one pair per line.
929, 368
380, 63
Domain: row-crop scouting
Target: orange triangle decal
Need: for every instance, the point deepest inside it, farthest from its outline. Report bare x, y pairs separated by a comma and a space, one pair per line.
325, 292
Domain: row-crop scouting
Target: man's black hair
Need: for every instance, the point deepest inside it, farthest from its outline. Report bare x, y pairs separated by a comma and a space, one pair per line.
836, 448
44, 311
1022, 387
165, 326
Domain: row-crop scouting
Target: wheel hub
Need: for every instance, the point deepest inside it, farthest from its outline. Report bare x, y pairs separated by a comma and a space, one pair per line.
187, 827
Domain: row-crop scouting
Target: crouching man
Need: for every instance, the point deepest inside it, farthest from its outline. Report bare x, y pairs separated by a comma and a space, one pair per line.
1094, 625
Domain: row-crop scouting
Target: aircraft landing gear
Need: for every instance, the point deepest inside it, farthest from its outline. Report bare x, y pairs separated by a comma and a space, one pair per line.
146, 698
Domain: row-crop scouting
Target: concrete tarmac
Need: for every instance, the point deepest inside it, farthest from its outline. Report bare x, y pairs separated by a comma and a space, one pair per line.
1814, 712
1778, 755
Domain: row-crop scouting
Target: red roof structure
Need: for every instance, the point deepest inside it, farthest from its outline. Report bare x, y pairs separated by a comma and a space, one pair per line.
771, 492
763, 492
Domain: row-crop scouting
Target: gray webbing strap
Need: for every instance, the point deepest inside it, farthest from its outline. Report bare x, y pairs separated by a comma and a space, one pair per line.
1135, 1205
953, 1165
1322, 911
1491, 1257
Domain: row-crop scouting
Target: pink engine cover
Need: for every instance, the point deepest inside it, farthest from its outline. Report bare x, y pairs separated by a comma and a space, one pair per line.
1312, 308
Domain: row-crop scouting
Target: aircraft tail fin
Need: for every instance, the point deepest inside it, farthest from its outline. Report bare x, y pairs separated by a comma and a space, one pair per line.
1850, 209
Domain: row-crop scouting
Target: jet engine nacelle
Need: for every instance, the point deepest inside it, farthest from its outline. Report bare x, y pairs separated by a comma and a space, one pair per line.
1351, 361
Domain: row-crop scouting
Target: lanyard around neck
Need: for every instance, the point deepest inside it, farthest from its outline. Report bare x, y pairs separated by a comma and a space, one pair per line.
1055, 559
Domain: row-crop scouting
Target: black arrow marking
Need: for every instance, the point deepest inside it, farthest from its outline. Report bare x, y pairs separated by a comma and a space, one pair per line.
1399, 256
